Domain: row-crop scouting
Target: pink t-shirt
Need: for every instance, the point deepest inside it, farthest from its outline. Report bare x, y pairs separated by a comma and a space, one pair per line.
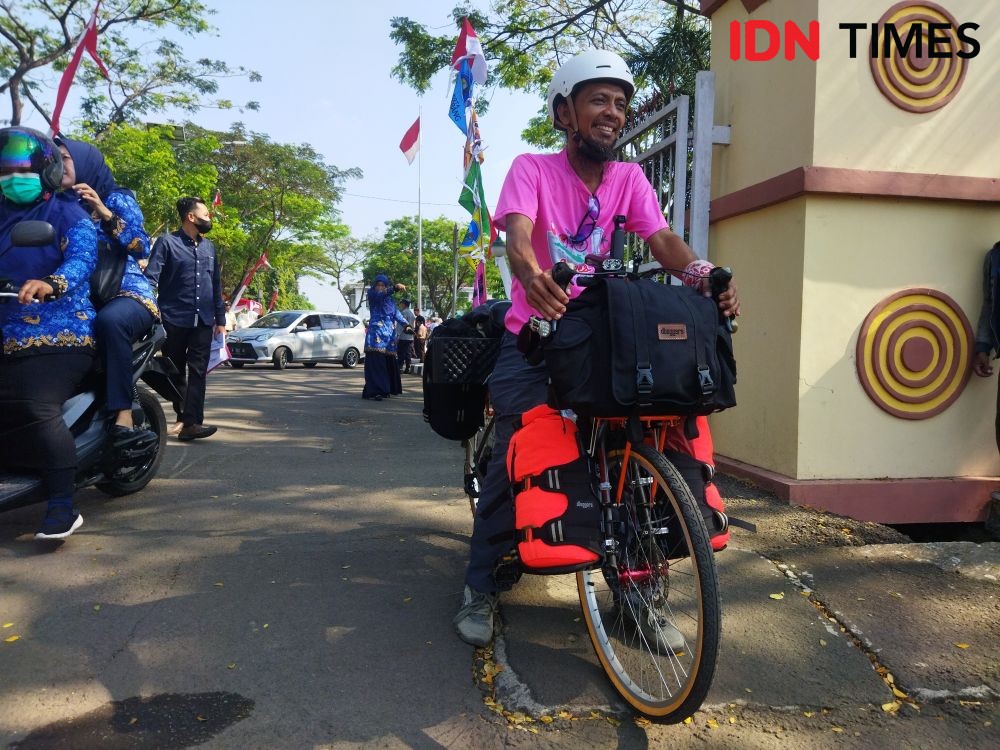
545, 188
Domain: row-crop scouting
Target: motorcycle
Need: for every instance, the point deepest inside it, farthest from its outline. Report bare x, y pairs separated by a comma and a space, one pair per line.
116, 468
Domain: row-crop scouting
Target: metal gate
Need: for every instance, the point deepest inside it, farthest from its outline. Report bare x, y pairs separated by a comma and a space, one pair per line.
676, 156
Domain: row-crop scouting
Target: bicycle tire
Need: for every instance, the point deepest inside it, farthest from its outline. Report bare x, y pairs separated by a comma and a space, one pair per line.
664, 684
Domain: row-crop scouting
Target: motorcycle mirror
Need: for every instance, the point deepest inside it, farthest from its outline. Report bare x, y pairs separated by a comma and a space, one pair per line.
32, 233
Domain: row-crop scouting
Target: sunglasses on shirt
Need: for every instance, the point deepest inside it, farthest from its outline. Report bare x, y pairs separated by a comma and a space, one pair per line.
588, 222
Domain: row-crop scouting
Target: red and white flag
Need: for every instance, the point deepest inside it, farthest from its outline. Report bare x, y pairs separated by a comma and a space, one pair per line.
88, 42
469, 48
411, 142
274, 299
217, 200
261, 261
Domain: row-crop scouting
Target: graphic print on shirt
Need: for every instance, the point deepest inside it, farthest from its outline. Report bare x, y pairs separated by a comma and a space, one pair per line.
560, 248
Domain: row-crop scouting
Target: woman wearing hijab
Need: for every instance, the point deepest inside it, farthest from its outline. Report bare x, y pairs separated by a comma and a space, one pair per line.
48, 336
381, 371
131, 310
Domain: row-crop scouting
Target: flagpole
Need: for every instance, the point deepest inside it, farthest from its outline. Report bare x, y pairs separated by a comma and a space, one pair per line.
420, 222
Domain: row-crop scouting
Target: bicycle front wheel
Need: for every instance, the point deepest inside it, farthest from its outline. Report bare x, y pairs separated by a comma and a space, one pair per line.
653, 610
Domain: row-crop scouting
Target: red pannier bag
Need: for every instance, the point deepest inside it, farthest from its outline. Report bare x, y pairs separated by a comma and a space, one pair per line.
557, 512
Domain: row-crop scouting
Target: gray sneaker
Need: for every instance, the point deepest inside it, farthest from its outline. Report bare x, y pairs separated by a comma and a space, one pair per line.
655, 627
474, 621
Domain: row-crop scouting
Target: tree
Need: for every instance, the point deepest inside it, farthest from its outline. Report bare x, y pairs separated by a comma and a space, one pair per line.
396, 255
40, 34
526, 40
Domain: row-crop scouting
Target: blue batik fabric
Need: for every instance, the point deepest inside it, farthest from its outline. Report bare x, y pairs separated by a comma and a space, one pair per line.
67, 264
381, 335
126, 230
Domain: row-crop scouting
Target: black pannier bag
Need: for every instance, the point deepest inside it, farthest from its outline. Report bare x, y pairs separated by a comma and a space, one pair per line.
461, 353
629, 347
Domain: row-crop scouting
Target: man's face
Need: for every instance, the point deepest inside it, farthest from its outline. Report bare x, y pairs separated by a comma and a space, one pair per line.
199, 214
600, 112
69, 169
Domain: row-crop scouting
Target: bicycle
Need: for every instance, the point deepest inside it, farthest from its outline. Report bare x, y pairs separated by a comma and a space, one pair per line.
651, 606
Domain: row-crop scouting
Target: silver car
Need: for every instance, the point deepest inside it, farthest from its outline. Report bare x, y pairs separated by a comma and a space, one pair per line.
304, 336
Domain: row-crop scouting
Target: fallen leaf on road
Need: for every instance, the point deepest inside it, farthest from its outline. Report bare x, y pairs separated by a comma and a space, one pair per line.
897, 595
712, 724
961, 645
613, 721
565, 715
732, 719
642, 721
266, 626
822, 642
218, 584
231, 665
97, 607
8, 625
987, 723
808, 714
199, 717
748, 690
135, 720
838, 730
689, 720
776, 597
546, 719
891, 708
407, 600
897, 692
12, 638
344, 567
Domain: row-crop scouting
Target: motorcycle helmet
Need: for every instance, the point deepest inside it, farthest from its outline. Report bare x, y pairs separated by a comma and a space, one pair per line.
25, 147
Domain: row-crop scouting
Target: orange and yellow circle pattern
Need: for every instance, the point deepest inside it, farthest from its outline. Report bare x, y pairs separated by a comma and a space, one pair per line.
914, 353
918, 82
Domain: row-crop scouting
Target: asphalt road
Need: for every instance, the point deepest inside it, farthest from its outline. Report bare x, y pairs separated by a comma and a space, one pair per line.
290, 583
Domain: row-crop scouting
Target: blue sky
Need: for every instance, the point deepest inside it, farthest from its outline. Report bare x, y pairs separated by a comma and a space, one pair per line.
326, 81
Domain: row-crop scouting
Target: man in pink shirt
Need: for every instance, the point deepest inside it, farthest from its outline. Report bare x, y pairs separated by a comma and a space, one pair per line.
560, 207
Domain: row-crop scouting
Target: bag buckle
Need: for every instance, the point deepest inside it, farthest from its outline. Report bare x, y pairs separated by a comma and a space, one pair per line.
644, 380
705, 381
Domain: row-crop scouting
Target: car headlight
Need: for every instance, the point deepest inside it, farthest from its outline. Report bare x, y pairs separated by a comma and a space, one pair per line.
261, 337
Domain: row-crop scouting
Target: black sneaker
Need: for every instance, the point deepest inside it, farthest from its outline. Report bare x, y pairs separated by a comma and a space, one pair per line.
59, 524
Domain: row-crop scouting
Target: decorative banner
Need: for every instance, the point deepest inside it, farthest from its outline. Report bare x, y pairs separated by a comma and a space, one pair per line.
914, 353
918, 82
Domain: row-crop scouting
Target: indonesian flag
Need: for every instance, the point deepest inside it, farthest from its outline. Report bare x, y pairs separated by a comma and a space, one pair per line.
411, 142
217, 200
88, 42
261, 261
469, 48
274, 299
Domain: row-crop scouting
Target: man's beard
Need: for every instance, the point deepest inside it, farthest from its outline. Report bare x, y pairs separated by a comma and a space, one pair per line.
593, 151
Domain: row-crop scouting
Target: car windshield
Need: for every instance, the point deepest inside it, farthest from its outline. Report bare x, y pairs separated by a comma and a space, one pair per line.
275, 320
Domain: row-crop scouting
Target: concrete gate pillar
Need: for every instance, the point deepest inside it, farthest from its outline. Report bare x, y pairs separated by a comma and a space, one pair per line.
855, 203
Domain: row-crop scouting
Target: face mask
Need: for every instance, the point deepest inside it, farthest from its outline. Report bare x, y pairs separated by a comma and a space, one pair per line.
21, 188
204, 226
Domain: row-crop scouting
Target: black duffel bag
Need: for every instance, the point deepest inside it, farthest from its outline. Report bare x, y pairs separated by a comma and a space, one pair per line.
629, 347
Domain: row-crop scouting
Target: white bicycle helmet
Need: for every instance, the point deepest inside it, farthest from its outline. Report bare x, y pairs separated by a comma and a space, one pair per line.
592, 65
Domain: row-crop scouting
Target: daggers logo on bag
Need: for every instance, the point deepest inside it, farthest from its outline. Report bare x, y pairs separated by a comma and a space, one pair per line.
672, 331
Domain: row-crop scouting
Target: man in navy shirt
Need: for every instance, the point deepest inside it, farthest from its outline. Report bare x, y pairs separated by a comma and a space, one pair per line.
184, 269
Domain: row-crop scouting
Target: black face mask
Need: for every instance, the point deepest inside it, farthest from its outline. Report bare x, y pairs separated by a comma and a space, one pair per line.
204, 226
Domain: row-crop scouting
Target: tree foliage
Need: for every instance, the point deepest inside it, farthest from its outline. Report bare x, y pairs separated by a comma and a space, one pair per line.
39, 37
664, 42
277, 198
396, 256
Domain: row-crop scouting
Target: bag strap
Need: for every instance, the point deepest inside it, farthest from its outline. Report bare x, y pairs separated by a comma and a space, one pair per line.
704, 374
643, 368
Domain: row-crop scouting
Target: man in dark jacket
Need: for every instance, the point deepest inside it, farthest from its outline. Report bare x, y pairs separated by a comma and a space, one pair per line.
185, 270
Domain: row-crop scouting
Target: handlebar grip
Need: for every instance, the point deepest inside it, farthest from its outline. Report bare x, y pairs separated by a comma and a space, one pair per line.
562, 274
718, 281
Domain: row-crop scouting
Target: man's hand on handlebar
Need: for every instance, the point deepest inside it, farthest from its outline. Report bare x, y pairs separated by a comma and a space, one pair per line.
34, 290
545, 295
729, 301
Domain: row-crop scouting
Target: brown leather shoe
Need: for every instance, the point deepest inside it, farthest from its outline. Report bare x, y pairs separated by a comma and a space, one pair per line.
195, 431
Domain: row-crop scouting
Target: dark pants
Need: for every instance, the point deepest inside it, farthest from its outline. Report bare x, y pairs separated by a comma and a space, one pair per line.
33, 435
419, 347
515, 387
120, 323
404, 353
189, 349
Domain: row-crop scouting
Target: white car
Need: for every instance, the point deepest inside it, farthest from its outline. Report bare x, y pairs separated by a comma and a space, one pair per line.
304, 336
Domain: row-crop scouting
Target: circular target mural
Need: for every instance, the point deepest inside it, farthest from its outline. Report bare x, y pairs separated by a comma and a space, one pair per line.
914, 353
917, 81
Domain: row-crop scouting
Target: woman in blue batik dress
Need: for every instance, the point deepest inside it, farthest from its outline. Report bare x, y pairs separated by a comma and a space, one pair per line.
381, 371
120, 231
48, 331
